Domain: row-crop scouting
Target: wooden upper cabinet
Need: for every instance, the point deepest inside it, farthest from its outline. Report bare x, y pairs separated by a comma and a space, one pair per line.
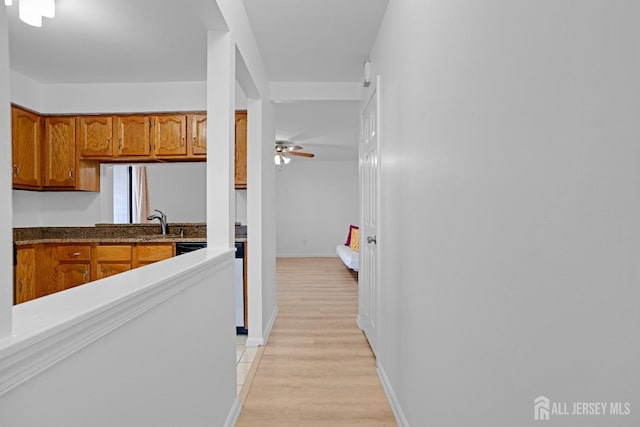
94, 136
59, 152
169, 135
133, 136
197, 126
25, 145
241, 149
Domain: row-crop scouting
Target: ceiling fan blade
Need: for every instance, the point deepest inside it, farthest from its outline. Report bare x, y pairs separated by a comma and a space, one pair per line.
301, 154
290, 148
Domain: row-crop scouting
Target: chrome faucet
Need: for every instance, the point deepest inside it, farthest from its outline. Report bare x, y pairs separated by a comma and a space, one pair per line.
163, 221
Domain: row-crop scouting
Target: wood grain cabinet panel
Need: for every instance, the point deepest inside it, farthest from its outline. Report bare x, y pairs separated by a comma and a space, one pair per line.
94, 136
25, 148
74, 266
111, 259
241, 149
147, 253
170, 135
25, 275
197, 126
133, 136
59, 152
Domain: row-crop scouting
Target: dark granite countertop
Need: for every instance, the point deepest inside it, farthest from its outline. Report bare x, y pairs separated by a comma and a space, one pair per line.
118, 233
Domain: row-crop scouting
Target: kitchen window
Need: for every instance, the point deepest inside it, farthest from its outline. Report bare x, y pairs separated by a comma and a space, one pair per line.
130, 194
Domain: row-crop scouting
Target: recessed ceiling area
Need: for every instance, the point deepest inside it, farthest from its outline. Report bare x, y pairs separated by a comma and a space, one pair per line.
330, 130
115, 41
315, 40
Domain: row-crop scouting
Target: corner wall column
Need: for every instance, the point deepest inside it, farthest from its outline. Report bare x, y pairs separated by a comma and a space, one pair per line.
220, 139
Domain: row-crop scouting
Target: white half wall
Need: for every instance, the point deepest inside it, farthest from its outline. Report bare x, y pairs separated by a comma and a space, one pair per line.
510, 191
316, 203
154, 346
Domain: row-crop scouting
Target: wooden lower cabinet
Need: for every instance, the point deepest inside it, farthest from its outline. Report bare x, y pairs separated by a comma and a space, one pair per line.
74, 266
25, 275
46, 268
111, 259
148, 253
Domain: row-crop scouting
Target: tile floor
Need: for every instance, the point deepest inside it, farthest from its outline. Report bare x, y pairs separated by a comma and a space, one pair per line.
245, 356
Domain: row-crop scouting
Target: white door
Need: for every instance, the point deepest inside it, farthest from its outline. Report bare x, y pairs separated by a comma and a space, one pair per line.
368, 275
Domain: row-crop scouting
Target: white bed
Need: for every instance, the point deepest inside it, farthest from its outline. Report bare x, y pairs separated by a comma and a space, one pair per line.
350, 257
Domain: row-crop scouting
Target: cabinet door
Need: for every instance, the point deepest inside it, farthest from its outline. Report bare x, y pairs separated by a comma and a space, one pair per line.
133, 136
95, 136
73, 274
241, 150
110, 268
170, 135
111, 259
60, 152
147, 253
74, 265
25, 275
25, 145
197, 135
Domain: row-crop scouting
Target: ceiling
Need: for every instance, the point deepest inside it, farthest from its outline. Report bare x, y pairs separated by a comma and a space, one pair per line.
330, 130
117, 41
315, 40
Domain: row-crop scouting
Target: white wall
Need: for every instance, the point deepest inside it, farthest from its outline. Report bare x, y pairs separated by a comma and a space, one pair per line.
316, 203
509, 230
168, 361
178, 190
6, 214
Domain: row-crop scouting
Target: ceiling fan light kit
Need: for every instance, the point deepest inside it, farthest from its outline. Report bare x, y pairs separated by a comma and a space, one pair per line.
285, 149
32, 11
280, 159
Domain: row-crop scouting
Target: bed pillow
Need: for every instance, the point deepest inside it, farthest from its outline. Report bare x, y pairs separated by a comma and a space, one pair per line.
348, 242
355, 239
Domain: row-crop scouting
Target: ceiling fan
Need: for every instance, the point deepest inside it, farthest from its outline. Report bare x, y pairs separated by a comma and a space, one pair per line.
284, 149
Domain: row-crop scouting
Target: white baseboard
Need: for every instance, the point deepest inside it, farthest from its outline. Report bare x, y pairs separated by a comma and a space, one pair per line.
325, 255
257, 342
269, 327
391, 396
234, 413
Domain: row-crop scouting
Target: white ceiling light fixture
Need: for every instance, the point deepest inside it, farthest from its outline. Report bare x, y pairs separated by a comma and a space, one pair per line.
280, 159
32, 11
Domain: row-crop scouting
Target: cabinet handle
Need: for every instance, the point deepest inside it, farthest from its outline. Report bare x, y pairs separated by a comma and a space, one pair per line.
71, 175
73, 253
120, 143
20, 284
84, 276
16, 170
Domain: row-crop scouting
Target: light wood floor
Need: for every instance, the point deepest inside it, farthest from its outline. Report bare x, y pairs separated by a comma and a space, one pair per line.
317, 368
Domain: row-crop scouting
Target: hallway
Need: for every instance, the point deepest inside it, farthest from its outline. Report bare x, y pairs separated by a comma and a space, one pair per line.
317, 368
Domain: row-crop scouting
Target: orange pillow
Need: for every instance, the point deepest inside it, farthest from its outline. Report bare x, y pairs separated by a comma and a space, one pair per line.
348, 242
354, 242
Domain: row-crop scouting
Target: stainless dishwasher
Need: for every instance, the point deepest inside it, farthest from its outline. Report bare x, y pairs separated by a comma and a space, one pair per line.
241, 327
